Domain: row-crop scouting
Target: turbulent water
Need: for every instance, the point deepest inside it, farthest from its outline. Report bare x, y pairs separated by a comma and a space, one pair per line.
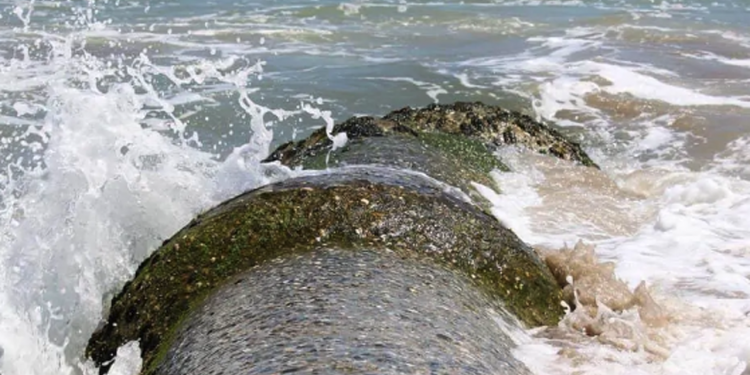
121, 120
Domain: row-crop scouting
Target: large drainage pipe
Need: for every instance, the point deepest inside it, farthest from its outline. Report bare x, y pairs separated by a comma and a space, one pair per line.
385, 265
346, 311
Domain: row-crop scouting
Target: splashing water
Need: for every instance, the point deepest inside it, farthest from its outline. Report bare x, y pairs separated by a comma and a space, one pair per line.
679, 232
121, 121
105, 170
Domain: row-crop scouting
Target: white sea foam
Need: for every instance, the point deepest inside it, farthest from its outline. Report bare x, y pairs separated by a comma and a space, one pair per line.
350, 9
557, 81
735, 160
128, 360
690, 245
72, 220
431, 89
93, 210
745, 63
104, 192
99, 182
629, 81
338, 140
573, 81
681, 232
742, 39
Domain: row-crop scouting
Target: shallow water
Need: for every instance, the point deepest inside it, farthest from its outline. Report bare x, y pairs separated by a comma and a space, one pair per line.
119, 121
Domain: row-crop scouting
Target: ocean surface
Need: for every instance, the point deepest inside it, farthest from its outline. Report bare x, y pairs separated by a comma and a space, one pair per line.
121, 120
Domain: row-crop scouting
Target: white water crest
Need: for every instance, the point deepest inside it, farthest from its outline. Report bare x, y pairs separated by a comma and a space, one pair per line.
100, 174
682, 234
119, 122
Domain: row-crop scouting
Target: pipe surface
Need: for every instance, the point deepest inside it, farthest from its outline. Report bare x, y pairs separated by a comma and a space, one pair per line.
343, 311
388, 263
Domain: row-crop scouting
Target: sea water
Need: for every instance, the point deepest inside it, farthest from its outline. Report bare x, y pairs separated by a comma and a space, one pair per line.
121, 120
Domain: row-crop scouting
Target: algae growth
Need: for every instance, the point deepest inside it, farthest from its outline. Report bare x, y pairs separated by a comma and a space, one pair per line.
298, 216
490, 126
382, 209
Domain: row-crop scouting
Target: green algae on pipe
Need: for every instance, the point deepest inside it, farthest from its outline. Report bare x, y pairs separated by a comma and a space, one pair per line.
494, 125
472, 124
406, 213
380, 204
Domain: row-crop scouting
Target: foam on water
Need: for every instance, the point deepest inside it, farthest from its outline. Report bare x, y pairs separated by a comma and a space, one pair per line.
566, 84
96, 187
431, 89
735, 160
664, 243
681, 233
745, 63
128, 360
623, 80
108, 192
103, 164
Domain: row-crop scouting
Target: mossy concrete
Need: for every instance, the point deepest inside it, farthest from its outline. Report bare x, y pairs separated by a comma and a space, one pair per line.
476, 127
402, 212
494, 125
373, 203
346, 311
455, 160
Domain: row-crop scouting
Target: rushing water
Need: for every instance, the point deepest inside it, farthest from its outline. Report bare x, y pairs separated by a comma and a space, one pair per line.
120, 120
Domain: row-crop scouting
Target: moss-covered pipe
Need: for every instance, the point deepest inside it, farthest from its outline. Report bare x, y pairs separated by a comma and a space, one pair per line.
408, 220
464, 132
345, 311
